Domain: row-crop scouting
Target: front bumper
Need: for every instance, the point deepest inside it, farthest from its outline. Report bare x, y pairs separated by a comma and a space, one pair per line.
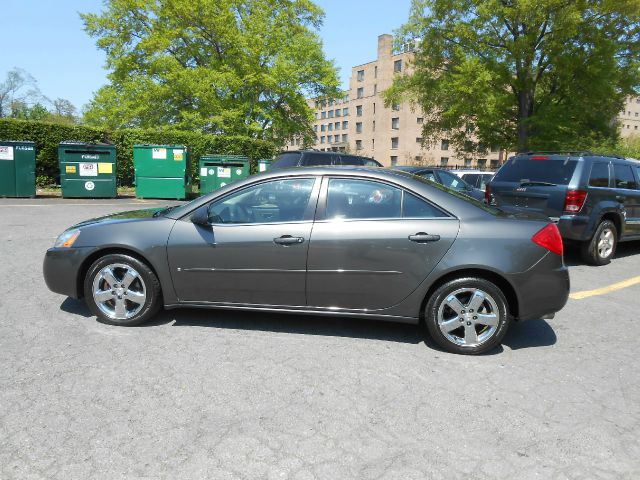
543, 290
62, 268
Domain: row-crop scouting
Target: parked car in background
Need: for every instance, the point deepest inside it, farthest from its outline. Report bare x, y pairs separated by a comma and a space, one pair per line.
446, 178
594, 199
357, 242
312, 158
475, 178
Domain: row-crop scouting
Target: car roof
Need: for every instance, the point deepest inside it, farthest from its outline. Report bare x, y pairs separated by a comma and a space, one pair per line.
412, 168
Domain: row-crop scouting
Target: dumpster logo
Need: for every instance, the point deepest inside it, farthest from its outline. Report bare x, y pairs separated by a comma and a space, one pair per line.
159, 154
88, 169
89, 186
90, 157
6, 153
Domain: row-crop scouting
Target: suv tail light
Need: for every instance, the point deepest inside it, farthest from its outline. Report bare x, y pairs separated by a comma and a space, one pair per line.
549, 238
487, 194
574, 200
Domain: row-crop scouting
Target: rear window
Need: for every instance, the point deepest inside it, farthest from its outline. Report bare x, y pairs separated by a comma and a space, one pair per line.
548, 171
314, 159
287, 160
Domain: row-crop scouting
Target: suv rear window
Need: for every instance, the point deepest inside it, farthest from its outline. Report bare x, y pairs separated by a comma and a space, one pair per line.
287, 160
314, 159
548, 171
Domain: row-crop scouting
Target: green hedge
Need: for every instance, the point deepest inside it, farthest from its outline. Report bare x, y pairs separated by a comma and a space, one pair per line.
47, 136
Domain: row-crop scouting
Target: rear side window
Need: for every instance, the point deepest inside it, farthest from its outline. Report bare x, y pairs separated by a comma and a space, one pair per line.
518, 169
414, 207
624, 177
599, 175
287, 160
452, 181
315, 159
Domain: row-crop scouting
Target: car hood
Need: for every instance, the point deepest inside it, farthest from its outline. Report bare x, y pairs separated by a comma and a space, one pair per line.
129, 216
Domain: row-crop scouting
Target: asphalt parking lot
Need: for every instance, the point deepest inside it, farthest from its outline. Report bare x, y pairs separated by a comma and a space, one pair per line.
206, 394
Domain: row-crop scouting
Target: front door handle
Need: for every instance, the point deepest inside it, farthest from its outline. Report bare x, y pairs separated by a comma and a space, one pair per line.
288, 240
422, 237
621, 198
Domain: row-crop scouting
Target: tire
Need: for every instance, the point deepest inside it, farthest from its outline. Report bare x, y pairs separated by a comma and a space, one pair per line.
602, 246
452, 324
122, 290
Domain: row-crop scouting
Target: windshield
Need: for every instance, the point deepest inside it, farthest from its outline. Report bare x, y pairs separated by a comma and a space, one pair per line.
523, 169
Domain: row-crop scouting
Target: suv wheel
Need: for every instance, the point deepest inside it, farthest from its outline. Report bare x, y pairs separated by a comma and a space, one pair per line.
467, 315
601, 248
122, 290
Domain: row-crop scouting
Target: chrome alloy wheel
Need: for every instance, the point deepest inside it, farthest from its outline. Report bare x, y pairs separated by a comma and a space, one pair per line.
468, 317
119, 291
605, 243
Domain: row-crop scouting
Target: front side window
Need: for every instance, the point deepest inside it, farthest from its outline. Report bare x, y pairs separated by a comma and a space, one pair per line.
269, 202
349, 199
599, 175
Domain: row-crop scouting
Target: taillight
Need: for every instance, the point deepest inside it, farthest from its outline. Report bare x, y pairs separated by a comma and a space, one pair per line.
574, 200
487, 194
549, 238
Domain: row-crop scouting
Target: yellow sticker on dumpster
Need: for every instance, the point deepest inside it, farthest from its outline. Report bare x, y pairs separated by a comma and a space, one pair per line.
177, 155
70, 169
105, 168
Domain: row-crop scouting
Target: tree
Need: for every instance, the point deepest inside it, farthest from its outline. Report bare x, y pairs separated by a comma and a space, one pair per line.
225, 66
18, 90
522, 74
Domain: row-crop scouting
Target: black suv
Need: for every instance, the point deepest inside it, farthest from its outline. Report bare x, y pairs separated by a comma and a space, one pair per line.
594, 199
308, 158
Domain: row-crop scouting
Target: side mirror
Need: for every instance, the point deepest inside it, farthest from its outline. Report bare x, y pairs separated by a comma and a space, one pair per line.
201, 216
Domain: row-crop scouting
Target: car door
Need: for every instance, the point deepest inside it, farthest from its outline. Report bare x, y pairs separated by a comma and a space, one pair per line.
627, 193
255, 249
372, 244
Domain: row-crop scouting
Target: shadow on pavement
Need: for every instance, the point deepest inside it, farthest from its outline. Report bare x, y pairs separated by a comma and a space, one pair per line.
532, 333
76, 307
623, 250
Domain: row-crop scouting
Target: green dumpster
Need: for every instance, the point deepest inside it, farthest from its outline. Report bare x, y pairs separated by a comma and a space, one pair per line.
162, 171
264, 164
219, 170
17, 169
87, 170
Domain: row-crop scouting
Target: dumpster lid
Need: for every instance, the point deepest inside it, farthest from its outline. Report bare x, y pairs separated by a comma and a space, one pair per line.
76, 143
148, 145
12, 143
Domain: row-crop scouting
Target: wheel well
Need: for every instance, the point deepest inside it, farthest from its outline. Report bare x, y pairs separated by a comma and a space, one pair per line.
615, 218
84, 268
496, 279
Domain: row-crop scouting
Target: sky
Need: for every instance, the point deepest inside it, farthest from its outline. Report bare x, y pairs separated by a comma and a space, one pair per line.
46, 38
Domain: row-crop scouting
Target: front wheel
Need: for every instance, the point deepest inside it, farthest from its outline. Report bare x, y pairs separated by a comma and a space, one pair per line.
602, 246
122, 290
467, 316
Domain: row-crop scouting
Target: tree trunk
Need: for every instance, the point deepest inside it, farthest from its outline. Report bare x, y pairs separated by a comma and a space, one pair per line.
525, 110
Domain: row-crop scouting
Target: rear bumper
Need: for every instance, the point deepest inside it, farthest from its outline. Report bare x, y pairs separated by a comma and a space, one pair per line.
543, 290
574, 227
61, 269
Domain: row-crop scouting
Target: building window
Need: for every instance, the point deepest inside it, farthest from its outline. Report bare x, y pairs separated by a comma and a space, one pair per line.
397, 66
358, 110
360, 93
494, 163
360, 75
374, 126
467, 162
358, 144
375, 74
344, 137
375, 91
359, 127
394, 143
395, 123
482, 162
373, 144
323, 127
345, 125
330, 113
324, 115
315, 128
374, 108
338, 112
444, 161
330, 139
495, 149
394, 161
317, 116
395, 107
418, 159
345, 111
444, 145
419, 120
331, 127
337, 125
322, 139
419, 140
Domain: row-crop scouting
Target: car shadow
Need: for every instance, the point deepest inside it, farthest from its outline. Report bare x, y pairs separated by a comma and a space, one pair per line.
529, 334
623, 250
76, 307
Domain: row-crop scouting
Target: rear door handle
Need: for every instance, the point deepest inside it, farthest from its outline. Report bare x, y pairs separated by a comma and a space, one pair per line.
288, 240
422, 237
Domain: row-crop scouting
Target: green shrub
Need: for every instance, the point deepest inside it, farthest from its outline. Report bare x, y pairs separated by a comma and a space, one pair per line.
47, 136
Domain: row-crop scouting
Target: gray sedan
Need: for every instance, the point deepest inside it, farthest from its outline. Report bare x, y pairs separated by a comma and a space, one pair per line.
331, 241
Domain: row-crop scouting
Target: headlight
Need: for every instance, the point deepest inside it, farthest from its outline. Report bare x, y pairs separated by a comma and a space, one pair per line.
67, 239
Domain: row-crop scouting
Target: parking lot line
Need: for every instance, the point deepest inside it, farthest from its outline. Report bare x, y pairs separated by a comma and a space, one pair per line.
608, 289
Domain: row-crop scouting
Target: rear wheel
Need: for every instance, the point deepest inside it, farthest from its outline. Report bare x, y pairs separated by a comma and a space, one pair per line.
467, 315
602, 246
122, 290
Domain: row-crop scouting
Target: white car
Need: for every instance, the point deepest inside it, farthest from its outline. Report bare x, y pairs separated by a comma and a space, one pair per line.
475, 178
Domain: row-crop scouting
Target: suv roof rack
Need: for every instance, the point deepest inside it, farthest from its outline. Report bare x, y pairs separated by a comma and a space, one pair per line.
571, 153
